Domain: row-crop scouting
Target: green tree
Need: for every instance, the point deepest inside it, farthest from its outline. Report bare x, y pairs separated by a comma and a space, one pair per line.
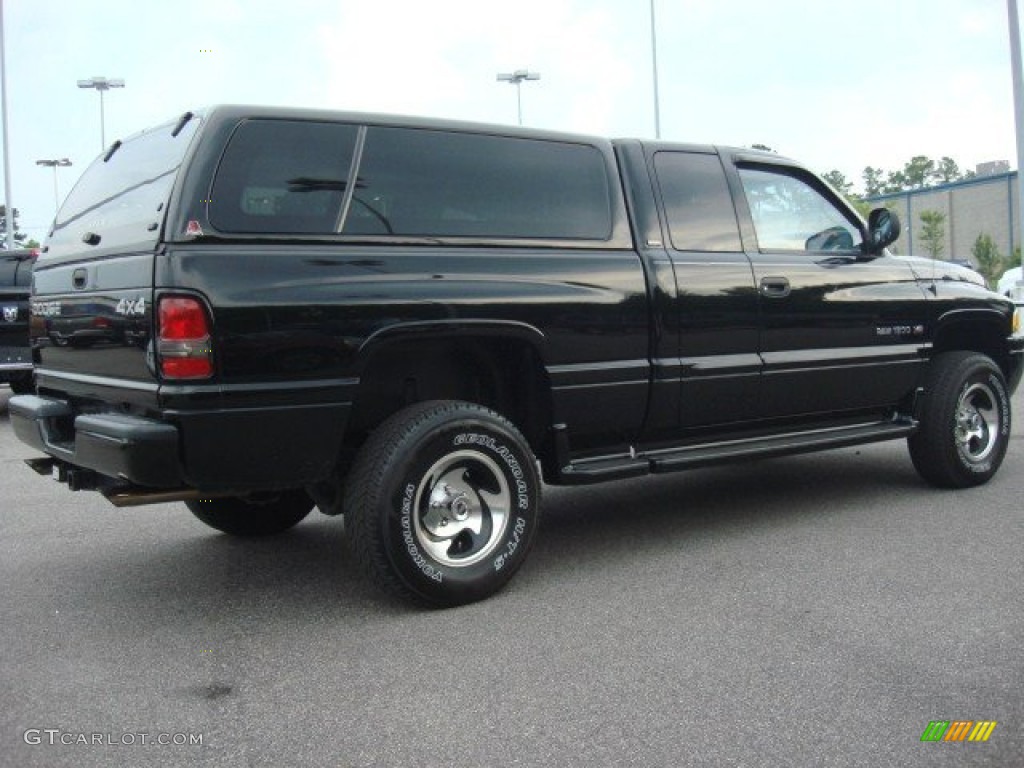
873, 181
990, 261
863, 206
19, 237
947, 170
918, 172
838, 180
933, 232
895, 182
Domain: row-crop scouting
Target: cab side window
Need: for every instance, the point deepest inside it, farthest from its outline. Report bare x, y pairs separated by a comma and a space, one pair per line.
791, 215
698, 205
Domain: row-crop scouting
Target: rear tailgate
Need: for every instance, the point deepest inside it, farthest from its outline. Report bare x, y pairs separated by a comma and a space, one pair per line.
91, 328
92, 298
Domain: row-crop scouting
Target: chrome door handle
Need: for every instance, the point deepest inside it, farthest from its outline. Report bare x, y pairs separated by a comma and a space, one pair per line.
774, 287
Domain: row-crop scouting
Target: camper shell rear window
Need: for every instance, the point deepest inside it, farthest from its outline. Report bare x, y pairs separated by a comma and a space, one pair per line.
120, 200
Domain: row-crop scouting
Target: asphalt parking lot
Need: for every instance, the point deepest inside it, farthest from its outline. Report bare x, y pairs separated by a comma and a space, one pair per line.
811, 611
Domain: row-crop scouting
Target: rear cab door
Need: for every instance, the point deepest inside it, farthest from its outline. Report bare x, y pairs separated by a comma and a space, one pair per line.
716, 304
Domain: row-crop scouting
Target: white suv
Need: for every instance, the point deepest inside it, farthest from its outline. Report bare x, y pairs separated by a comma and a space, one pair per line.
1011, 284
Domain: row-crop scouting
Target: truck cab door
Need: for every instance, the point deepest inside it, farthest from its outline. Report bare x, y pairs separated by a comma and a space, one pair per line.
839, 333
716, 302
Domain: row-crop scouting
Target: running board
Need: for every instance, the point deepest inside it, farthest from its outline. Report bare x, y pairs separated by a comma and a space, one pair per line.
690, 457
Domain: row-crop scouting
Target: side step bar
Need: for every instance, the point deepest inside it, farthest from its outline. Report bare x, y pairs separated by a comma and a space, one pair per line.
691, 457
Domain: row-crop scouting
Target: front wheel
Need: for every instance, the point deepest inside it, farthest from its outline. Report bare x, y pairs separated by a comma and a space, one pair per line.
253, 516
965, 427
442, 503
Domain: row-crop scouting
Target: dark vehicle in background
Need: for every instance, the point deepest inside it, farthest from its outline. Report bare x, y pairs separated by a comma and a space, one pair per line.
411, 322
15, 285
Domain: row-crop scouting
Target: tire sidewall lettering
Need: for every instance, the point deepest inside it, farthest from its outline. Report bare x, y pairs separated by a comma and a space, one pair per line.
1004, 404
988, 465
503, 453
512, 545
417, 563
419, 560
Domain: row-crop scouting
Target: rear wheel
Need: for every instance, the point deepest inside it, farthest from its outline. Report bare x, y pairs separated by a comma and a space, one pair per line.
442, 503
253, 516
965, 427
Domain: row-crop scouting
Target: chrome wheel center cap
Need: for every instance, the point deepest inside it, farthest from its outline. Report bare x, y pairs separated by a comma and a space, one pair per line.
459, 508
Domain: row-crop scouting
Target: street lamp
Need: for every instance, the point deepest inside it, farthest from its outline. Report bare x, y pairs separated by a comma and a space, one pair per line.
55, 164
8, 202
517, 79
101, 84
654, 67
1018, 103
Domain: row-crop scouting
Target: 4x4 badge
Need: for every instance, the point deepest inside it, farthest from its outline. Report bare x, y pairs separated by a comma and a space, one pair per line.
131, 307
11, 314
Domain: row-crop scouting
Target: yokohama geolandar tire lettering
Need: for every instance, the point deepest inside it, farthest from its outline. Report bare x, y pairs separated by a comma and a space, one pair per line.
442, 503
965, 425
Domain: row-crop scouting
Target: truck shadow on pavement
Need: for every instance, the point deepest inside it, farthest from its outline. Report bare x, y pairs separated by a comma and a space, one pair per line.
691, 510
306, 572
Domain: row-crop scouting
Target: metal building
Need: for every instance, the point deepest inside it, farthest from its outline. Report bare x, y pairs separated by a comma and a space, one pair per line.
982, 205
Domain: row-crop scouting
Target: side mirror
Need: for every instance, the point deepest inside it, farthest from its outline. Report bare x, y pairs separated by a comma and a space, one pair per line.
883, 229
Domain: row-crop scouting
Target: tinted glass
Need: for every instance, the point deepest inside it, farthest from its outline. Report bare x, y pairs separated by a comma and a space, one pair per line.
697, 202
441, 184
121, 198
789, 214
283, 176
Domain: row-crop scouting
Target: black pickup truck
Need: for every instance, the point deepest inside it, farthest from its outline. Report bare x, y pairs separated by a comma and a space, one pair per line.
411, 321
15, 284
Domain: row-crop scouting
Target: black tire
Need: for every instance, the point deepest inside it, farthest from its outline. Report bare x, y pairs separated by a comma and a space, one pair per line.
23, 385
442, 503
965, 425
256, 516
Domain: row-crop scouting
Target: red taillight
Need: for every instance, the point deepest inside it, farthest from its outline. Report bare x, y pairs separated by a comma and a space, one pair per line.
183, 341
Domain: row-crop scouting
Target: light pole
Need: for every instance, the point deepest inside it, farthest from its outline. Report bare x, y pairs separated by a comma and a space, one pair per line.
1018, 111
517, 79
101, 84
7, 164
654, 65
55, 164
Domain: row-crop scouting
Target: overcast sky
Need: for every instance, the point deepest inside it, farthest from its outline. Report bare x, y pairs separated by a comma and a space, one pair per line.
836, 85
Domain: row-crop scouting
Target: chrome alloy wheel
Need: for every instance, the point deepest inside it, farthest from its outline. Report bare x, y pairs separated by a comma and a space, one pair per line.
462, 508
977, 422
